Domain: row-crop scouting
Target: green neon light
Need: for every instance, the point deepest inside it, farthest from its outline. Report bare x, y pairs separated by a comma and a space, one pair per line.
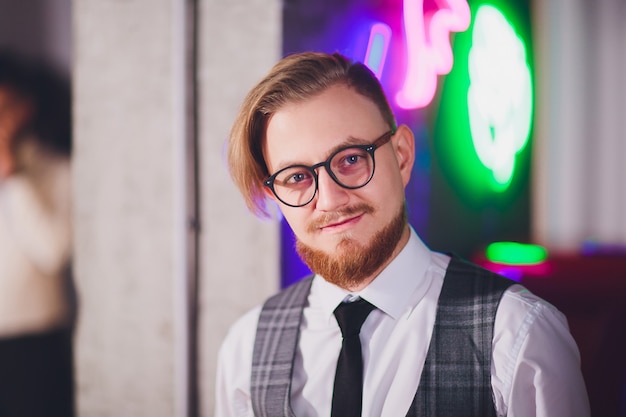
499, 98
513, 253
455, 154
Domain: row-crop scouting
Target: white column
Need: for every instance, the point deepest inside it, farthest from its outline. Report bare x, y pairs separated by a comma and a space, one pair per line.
238, 43
560, 139
578, 177
608, 136
621, 92
126, 192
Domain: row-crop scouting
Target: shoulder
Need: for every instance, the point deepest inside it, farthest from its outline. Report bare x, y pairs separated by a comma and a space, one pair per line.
234, 366
240, 336
464, 278
528, 326
243, 330
533, 349
519, 302
522, 314
292, 295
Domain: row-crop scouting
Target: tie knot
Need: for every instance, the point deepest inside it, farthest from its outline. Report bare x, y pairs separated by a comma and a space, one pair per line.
350, 316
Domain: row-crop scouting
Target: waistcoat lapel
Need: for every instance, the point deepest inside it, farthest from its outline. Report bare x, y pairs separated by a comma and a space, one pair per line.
275, 349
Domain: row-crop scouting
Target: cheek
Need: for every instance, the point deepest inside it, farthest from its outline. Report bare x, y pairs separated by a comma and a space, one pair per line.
388, 184
297, 220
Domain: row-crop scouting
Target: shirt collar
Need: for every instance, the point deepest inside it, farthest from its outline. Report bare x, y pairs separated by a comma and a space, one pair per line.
392, 289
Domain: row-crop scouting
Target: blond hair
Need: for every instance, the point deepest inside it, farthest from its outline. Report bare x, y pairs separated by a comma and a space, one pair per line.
295, 78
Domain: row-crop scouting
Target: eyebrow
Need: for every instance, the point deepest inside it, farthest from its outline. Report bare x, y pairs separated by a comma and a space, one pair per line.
349, 141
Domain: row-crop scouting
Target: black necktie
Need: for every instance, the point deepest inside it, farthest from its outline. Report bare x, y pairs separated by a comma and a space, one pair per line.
348, 389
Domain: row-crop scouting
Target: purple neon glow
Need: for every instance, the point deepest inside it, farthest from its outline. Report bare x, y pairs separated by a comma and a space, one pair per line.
380, 35
429, 52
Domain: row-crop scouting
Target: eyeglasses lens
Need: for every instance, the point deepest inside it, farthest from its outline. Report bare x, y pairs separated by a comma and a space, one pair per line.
351, 168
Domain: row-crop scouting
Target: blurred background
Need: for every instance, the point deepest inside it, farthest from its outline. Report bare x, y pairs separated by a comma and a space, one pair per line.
519, 112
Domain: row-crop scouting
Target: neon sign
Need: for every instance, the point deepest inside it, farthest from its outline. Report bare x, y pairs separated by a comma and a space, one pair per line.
380, 36
514, 253
429, 56
499, 97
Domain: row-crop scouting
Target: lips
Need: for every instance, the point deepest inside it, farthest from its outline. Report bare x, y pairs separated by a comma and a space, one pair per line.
344, 222
340, 219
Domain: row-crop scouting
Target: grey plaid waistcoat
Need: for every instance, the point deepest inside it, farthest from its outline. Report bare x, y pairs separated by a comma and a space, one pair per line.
456, 380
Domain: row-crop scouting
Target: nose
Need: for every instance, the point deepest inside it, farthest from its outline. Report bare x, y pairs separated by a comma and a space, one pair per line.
330, 195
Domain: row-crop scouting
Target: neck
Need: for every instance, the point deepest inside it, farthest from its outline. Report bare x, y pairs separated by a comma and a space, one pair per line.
404, 239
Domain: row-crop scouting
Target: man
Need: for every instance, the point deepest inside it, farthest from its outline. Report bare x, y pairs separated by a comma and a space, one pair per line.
35, 240
440, 337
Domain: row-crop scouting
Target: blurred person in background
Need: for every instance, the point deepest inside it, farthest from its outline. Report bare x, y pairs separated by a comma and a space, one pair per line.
36, 297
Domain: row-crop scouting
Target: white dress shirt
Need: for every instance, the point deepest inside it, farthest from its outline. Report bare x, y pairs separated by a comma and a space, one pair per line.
35, 242
535, 367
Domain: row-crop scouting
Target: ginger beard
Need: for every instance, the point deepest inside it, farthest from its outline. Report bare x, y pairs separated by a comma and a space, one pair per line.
352, 262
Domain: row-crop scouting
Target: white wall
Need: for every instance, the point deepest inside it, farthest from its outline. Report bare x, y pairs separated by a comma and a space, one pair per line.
124, 191
133, 255
238, 43
580, 142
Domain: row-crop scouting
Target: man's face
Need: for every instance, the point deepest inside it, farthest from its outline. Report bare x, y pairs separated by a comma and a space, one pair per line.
339, 221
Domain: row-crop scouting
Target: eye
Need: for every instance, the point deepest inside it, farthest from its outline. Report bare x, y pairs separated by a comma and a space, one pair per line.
353, 159
298, 177
294, 178
350, 158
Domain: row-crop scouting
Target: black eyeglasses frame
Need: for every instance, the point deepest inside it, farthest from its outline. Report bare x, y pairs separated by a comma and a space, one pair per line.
370, 149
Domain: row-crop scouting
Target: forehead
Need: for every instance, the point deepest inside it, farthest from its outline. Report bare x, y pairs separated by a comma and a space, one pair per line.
306, 132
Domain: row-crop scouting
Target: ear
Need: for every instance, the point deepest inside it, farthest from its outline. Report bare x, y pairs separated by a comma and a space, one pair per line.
404, 147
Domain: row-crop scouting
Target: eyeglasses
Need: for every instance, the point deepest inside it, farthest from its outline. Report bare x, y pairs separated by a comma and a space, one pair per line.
351, 167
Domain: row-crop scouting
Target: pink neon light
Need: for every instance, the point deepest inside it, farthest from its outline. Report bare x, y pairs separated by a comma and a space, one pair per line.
429, 56
377, 47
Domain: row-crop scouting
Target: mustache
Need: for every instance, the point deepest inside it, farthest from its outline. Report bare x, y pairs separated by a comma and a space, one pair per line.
330, 218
